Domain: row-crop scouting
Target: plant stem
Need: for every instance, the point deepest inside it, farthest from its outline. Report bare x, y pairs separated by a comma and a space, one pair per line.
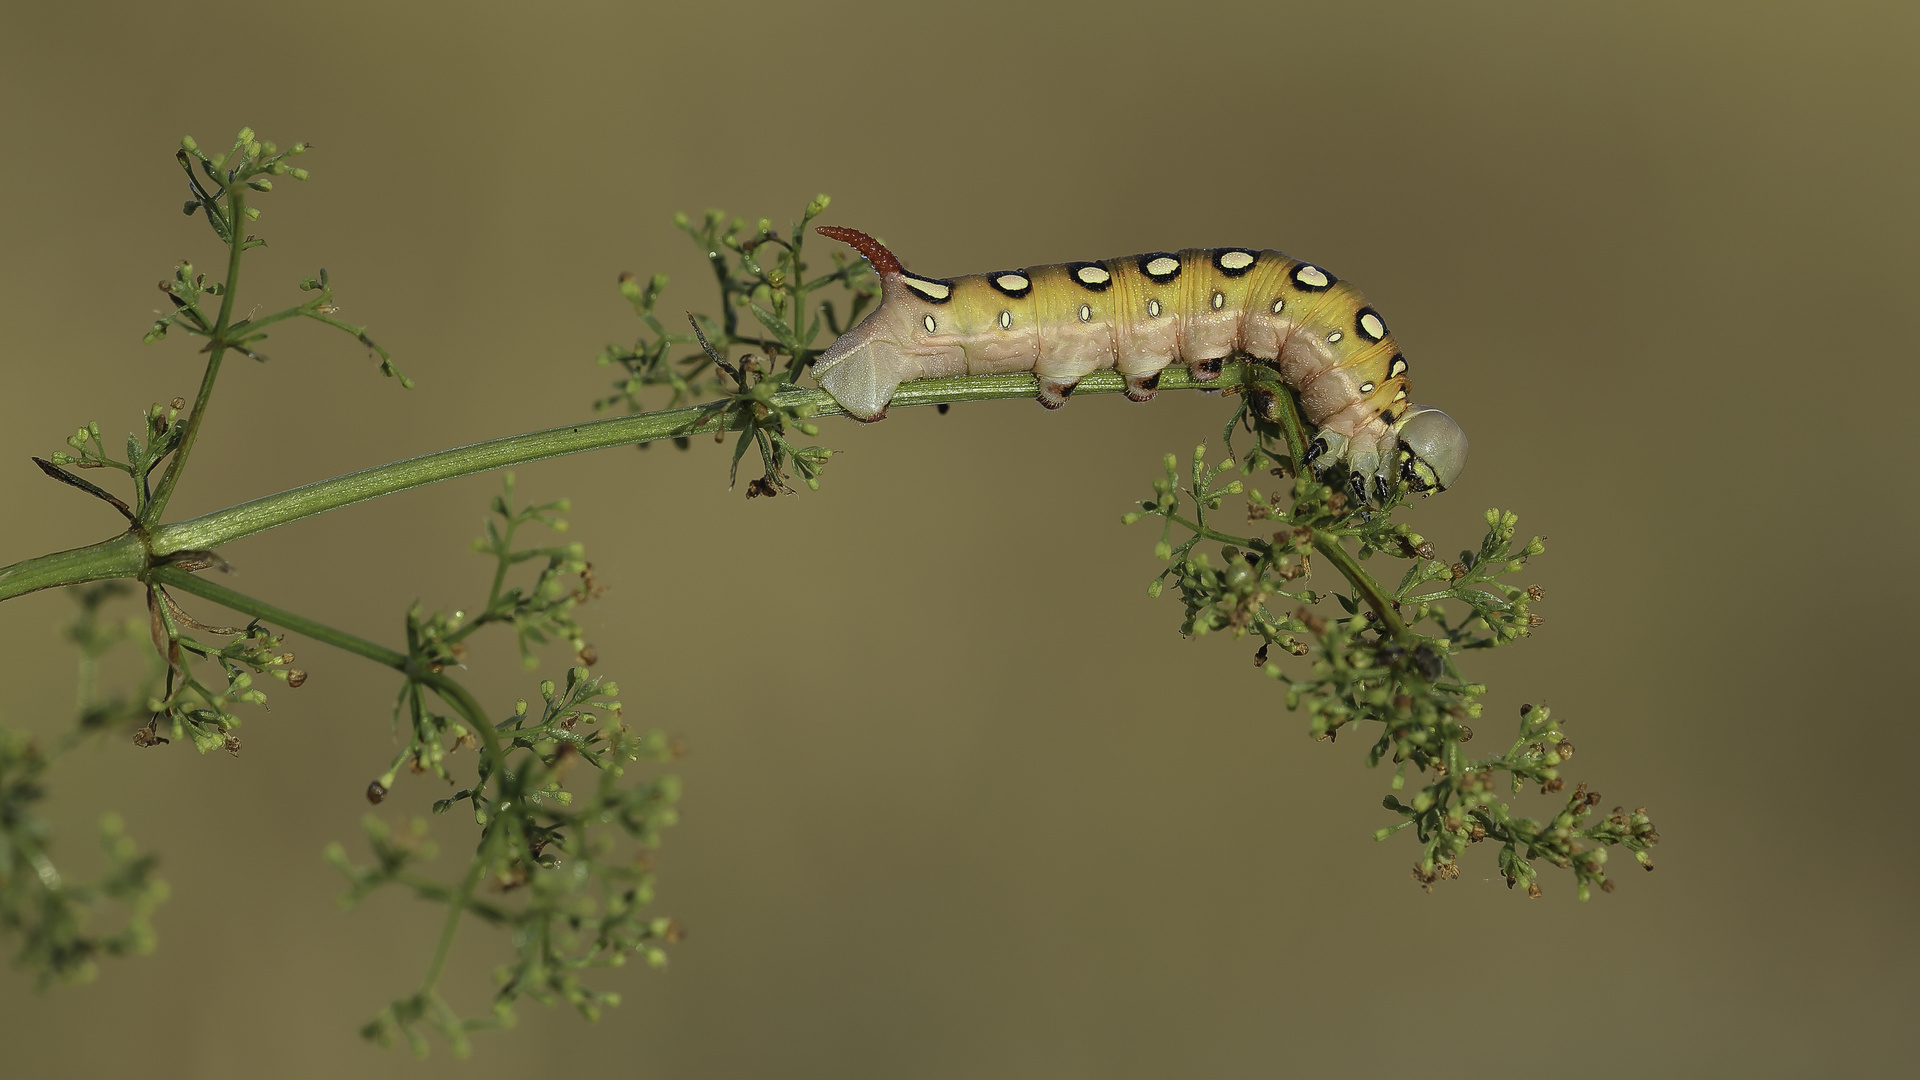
245, 519
452, 692
1328, 544
456, 907
123, 556
179, 579
217, 350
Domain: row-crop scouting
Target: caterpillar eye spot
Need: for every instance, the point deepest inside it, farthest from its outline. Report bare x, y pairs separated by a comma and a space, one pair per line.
1014, 285
1153, 309
937, 291
1234, 261
1312, 279
1091, 276
1398, 367
1160, 266
1370, 325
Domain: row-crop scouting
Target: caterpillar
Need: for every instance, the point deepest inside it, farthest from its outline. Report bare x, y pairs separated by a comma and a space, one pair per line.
1141, 314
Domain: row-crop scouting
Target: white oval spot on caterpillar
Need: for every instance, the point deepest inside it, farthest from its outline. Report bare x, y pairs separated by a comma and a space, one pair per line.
1094, 275
1371, 326
1086, 313
1402, 395
1236, 260
1011, 282
1219, 300
1277, 305
1335, 336
1366, 387
928, 323
1163, 266
1311, 276
932, 290
1398, 367
1006, 320
1153, 309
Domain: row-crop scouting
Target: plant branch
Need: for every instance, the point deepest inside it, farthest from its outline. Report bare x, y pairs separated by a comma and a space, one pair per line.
217, 350
1329, 544
259, 515
449, 690
175, 578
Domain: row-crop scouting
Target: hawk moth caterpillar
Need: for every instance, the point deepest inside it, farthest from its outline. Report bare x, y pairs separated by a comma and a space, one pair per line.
1141, 314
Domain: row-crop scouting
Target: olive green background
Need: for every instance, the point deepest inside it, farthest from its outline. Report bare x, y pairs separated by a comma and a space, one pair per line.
960, 802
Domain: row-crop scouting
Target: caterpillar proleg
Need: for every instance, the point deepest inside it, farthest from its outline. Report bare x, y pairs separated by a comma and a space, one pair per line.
1141, 314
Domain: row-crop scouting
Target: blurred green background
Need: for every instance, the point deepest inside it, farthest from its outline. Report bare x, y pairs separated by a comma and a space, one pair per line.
992, 816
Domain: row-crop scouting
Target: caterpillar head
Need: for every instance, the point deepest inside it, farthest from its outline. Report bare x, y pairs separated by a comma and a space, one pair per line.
1436, 449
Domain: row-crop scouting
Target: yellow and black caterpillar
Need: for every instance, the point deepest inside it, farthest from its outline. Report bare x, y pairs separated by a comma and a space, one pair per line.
1141, 314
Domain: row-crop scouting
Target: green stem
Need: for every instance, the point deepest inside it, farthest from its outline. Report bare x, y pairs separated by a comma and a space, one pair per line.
179, 579
217, 350
463, 702
456, 907
1289, 414
452, 692
449, 690
246, 519
124, 557
1212, 534
1329, 545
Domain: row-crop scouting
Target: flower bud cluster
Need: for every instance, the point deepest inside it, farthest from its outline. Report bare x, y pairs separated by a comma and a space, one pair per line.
1391, 659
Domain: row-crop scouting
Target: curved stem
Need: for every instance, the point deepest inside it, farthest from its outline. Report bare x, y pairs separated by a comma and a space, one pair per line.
245, 519
452, 692
1329, 544
1287, 411
217, 350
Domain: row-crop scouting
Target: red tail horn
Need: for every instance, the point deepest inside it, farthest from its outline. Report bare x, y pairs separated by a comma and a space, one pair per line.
883, 261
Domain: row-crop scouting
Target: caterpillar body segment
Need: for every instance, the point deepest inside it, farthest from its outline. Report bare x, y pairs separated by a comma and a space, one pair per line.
1140, 315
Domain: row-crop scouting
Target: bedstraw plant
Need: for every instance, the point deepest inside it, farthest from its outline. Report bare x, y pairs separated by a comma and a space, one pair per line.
565, 794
